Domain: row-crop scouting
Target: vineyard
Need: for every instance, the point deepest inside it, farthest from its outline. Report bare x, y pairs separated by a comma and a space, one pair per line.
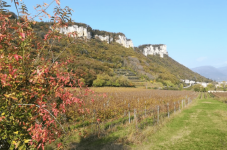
122, 106
222, 96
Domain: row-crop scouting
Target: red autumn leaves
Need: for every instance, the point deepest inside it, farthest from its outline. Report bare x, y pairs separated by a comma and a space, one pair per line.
33, 85
17, 57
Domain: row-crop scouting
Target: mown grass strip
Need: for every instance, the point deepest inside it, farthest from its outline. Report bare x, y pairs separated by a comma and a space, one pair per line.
202, 126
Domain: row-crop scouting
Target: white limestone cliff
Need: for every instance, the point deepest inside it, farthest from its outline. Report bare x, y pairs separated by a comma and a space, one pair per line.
106, 38
81, 31
129, 44
121, 40
124, 41
155, 50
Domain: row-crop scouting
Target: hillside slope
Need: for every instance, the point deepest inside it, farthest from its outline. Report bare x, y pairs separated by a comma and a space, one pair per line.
99, 57
95, 57
177, 69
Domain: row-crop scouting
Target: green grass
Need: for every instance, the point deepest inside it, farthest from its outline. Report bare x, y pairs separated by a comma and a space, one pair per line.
202, 126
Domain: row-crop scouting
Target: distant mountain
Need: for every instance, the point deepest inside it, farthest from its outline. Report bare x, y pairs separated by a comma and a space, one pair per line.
223, 70
218, 74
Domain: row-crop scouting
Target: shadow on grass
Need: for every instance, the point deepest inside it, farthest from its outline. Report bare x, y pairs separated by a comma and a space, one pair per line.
99, 143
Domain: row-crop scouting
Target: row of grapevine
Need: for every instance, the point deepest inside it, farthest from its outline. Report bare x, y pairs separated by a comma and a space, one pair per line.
141, 107
221, 96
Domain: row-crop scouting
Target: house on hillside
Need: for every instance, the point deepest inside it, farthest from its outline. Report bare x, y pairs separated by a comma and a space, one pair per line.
204, 84
190, 82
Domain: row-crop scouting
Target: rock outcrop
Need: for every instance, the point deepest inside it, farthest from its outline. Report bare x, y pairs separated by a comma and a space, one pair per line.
159, 49
80, 30
106, 38
124, 41
121, 39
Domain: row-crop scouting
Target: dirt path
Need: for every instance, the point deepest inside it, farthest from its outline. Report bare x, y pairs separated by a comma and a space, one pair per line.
202, 126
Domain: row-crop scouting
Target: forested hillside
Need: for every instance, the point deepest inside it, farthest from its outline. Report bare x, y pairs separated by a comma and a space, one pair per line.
94, 57
177, 69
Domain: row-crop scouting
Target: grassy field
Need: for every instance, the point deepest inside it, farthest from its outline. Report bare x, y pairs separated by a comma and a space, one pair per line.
202, 126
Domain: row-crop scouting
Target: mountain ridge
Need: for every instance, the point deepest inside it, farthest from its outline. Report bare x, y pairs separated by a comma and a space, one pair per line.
218, 74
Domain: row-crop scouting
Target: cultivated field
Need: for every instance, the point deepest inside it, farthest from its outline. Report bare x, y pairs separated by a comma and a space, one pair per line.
222, 96
114, 103
109, 109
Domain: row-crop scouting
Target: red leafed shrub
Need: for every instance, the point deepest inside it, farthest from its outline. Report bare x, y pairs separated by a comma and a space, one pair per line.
32, 81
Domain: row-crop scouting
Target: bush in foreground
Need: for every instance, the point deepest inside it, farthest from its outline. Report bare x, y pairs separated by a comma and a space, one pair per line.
32, 80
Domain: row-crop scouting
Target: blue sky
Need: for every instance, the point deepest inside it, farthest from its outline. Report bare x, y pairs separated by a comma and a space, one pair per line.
195, 31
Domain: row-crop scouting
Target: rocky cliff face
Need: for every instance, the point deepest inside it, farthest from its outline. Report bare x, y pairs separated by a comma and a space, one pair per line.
80, 30
155, 50
121, 39
106, 38
124, 41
